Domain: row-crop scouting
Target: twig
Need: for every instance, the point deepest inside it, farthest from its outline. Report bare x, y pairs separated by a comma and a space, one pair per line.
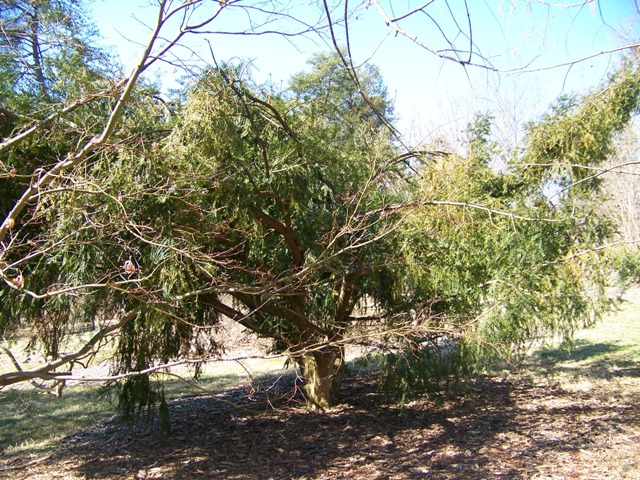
24, 465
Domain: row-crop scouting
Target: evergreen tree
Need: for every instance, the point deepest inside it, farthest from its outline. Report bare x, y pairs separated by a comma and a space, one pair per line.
293, 213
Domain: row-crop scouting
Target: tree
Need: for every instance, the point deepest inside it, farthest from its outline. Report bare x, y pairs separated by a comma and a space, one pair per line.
618, 201
329, 88
287, 227
620, 189
291, 212
79, 268
43, 43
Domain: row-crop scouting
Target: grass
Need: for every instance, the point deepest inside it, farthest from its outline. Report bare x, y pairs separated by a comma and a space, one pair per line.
32, 422
603, 362
605, 356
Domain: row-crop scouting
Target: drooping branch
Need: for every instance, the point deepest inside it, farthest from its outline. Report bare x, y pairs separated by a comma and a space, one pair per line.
65, 377
44, 370
276, 114
391, 209
7, 116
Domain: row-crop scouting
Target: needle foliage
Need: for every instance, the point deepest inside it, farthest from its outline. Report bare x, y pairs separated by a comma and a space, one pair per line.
296, 213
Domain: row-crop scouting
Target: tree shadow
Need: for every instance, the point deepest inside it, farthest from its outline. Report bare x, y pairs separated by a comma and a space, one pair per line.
586, 359
582, 350
492, 431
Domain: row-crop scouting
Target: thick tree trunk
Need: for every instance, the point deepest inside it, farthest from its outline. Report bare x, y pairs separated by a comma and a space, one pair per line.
322, 371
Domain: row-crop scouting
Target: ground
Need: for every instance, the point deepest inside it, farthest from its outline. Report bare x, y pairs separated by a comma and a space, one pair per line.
567, 415
502, 429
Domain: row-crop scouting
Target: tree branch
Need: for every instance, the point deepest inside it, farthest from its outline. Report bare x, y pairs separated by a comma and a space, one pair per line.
297, 252
243, 319
28, 133
44, 370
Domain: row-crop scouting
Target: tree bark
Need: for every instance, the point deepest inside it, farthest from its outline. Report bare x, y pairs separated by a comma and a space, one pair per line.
322, 370
35, 52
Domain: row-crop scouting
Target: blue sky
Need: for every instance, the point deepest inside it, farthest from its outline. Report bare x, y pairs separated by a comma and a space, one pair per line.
429, 93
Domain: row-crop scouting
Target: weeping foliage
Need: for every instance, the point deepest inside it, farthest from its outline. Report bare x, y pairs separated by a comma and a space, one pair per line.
294, 214
235, 192
578, 133
99, 241
508, 260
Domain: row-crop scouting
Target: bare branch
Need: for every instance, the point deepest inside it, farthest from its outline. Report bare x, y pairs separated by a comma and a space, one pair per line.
44, 370
571, 63
443, 54
390, 209
29, 132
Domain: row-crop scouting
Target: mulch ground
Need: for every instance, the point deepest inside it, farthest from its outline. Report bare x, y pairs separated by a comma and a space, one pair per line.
500, 429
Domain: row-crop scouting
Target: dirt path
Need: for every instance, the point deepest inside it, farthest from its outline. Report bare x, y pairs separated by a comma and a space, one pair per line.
503, 429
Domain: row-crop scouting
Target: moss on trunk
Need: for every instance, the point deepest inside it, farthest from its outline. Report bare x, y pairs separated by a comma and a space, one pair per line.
322, 371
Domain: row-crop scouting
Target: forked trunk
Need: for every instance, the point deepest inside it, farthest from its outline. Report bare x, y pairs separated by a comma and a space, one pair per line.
322, 371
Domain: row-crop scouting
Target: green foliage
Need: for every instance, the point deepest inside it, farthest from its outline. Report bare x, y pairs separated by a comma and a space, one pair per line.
429, 368
495, 263
237, 194
625, 262
262, 198
578, 133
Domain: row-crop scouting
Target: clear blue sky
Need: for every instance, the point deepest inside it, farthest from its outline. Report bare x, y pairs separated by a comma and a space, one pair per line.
428, 91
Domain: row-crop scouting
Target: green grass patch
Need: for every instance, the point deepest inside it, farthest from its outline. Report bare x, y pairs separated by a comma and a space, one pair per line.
32, 421
608, 350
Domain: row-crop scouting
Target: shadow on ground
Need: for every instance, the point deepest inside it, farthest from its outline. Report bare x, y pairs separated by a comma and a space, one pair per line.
585, 359
501, 430
581, 350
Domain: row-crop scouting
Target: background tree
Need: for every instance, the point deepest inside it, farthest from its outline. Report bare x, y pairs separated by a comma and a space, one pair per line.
48, 59
621, 188
330, 90
48, 53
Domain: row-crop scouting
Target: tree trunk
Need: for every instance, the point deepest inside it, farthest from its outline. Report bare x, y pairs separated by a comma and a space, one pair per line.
35, 52
322, 371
